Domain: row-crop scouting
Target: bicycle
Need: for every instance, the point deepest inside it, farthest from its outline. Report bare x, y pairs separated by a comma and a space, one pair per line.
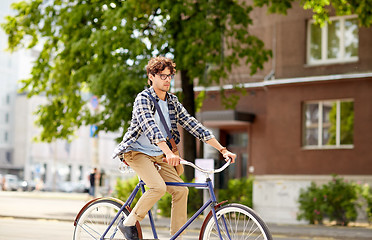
99, 218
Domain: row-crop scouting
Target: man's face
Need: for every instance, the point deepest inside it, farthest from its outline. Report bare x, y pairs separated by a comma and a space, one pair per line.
157, 80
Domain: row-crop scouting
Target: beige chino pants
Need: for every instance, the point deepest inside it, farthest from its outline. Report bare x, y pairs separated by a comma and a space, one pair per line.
155, 180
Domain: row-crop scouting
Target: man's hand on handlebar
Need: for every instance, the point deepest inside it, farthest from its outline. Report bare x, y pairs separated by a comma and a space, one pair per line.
228, 155
172, 159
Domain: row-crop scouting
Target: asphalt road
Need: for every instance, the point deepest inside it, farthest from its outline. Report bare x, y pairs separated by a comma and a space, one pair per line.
21, 229
39, 215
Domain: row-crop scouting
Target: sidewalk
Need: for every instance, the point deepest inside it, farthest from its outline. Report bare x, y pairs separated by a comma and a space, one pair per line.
65, 206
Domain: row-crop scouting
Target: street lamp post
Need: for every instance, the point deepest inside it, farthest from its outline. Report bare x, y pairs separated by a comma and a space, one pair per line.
93, 133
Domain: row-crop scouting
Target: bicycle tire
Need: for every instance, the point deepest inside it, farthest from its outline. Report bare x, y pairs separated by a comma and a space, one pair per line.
241, 221
95, 219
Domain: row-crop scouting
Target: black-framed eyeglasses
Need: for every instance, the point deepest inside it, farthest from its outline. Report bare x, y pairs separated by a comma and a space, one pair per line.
165, 76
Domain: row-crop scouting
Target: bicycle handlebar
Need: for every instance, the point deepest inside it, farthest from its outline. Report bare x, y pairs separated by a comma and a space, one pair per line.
126, 169
210, 171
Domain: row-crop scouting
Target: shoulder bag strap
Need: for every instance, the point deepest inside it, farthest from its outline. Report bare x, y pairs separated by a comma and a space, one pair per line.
162, 119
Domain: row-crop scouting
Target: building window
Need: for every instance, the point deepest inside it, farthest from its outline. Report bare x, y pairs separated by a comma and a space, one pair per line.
8, 157
335, 42
328, 124
7, 99
81, 173
237, 142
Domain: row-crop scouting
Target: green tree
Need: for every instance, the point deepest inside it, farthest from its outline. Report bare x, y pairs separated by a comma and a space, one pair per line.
85, 47
102, 47
321, 8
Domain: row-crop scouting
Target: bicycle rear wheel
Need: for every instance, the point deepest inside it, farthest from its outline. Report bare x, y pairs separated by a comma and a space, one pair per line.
96, 218
235, 221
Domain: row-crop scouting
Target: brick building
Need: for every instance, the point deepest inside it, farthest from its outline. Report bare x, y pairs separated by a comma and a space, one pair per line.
306, 116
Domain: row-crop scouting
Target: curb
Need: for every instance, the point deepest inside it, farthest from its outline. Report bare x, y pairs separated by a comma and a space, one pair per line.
304, 231
45, 195
31, 208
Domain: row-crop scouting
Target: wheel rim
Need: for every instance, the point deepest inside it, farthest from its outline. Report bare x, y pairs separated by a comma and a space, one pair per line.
95, 220
240, 224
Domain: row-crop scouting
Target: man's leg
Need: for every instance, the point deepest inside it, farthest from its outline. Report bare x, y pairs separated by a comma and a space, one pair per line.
143, 165
179, 195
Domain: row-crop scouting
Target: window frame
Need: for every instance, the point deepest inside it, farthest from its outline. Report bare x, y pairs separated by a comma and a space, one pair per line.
324, 43
320, 145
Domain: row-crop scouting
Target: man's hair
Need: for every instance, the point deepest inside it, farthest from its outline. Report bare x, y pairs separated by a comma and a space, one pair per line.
158, 64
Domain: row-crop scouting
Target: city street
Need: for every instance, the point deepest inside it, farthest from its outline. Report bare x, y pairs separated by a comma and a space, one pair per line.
281, 88
48, 215
21, 229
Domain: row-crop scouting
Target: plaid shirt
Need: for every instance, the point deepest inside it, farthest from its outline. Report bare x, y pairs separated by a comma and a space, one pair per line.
143, 122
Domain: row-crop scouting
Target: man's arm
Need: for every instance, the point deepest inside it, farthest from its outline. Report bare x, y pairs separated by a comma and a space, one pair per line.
193, 126
174, 159
171, 158
225, 153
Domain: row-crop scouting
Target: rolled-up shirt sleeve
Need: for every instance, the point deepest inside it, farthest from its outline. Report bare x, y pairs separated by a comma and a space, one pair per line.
191, 124
145, 118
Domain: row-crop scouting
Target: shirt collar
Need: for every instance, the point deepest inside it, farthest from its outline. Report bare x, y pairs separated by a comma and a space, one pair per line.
153, 93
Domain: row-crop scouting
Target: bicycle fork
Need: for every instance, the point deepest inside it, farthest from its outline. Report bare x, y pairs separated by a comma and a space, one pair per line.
212, 202
125, 205
213, 209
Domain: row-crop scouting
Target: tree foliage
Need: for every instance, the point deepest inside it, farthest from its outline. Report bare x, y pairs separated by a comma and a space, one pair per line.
321, 8
102, 47
85, 47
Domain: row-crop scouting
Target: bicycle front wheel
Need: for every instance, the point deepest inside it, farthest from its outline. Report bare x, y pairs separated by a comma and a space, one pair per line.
235, 221
97, 217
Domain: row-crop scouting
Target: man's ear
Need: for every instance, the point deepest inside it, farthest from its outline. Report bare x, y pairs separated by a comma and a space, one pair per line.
150, 78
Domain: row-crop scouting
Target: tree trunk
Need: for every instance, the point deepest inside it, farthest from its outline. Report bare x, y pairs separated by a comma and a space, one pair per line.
189, 143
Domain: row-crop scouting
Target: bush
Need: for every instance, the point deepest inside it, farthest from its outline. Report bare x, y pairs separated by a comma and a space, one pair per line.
342, 197
366, 192
124, 188
312, 204
195, 201
238, 191
336, 200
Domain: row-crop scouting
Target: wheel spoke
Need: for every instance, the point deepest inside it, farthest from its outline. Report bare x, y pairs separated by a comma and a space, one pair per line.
236, 222
96, 218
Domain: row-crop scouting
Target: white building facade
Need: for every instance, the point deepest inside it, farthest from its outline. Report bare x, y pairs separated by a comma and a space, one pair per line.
9, 72
48, 165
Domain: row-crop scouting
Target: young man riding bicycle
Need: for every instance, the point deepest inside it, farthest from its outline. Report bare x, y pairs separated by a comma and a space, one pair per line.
145, 143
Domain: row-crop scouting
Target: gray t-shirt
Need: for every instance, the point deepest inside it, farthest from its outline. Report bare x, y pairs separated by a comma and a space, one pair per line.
143, 143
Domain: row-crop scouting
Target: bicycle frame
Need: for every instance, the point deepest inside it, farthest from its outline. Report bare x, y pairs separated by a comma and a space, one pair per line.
141, 185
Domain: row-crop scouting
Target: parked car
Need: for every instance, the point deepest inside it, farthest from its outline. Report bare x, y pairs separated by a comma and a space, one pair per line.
78, 187
11, 182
